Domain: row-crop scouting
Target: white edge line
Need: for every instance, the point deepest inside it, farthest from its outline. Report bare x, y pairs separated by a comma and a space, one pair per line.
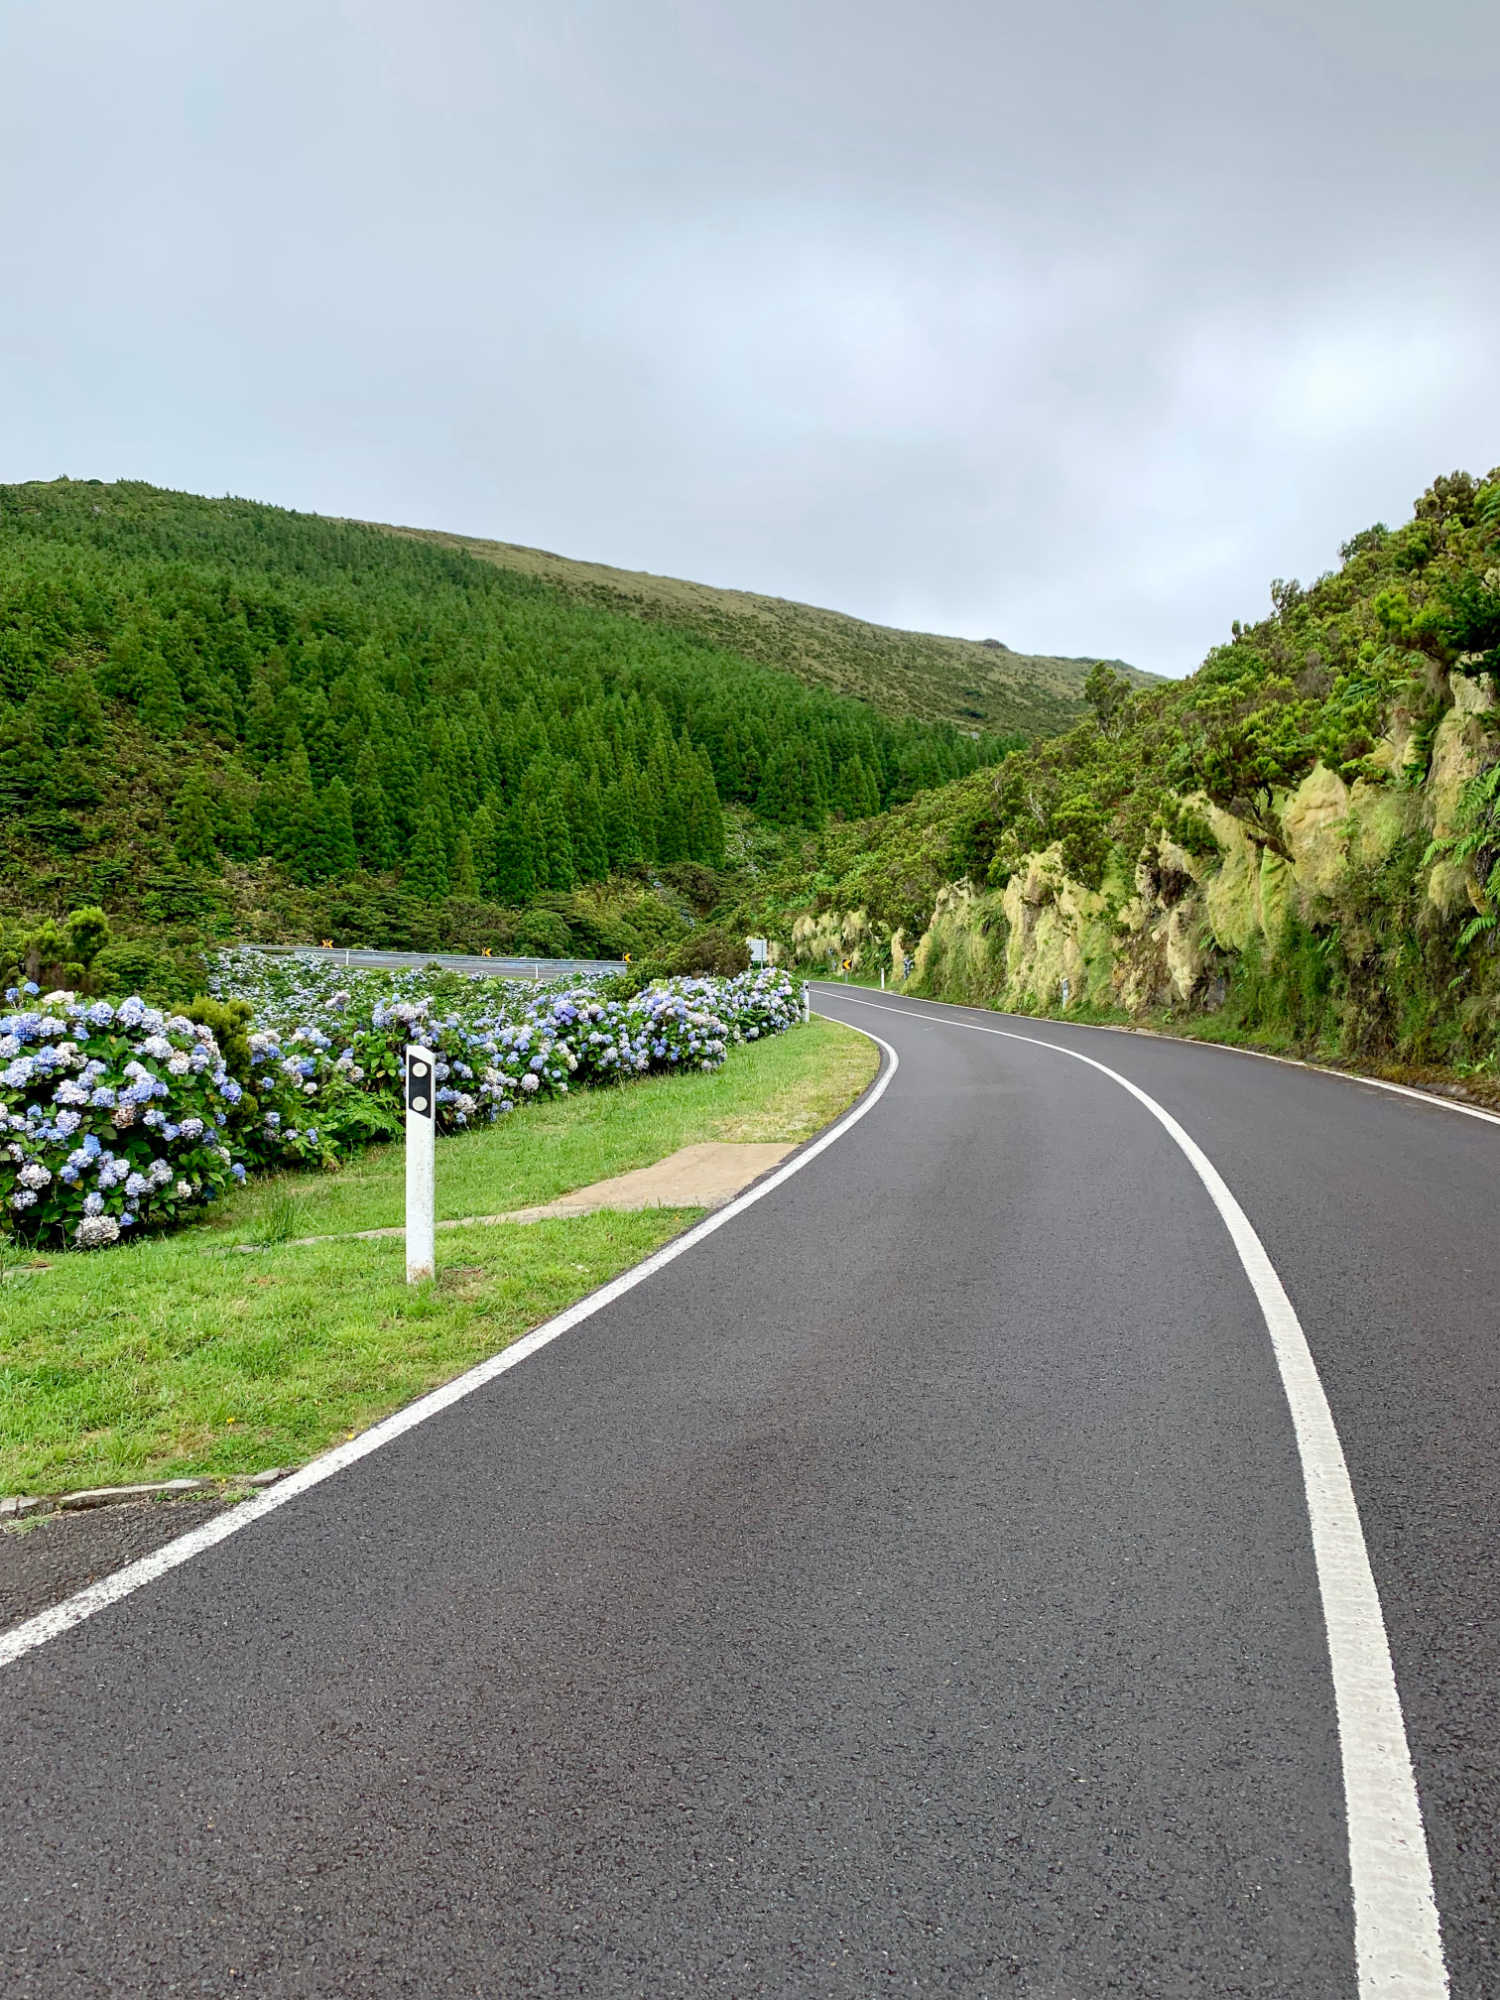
1397, 1937
1418, 1096
50, 1624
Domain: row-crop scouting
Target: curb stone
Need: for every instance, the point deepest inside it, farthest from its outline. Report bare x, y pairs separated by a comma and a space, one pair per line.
18, 1506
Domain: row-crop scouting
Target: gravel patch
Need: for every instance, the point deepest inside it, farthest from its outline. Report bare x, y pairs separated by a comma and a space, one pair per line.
46, 1559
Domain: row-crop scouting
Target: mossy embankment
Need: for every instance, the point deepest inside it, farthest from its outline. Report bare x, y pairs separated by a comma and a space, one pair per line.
1297, 846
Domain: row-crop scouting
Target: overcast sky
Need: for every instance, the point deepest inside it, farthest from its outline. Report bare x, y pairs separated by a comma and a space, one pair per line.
1070, 324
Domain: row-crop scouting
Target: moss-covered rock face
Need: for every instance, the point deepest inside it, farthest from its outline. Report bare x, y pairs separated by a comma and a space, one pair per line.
1379, 817
1463, 745
1232, 893
1313, 823
1170, 931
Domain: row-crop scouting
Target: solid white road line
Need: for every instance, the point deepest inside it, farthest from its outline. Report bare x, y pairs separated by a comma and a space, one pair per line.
1397, 1940
25, 1638
1427, 1097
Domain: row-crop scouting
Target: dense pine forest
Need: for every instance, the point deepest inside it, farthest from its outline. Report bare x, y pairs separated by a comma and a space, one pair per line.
222, 716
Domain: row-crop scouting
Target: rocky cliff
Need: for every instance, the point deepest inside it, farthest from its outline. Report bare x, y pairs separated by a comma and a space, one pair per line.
1306, 835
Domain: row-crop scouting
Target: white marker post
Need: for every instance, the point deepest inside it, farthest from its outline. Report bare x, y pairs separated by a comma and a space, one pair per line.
421, 1171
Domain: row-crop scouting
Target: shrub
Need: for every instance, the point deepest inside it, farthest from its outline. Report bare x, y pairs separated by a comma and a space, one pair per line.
148, 970
113, 1117
712, 952
120, 1118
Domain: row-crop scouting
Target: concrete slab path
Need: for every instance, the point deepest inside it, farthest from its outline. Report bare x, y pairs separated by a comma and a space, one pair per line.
703, 1176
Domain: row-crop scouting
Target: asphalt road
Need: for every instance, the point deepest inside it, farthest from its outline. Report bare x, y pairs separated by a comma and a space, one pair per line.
908, 1590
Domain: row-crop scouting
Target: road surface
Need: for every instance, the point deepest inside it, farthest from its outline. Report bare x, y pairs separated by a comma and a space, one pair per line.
909, 1589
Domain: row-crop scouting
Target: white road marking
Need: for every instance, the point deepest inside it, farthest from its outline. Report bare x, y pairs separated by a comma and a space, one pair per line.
25, 1638
1427, 1097
1397, 1940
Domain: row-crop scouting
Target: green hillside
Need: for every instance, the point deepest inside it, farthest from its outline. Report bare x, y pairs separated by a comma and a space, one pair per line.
1301, 841
972, 683
221, 715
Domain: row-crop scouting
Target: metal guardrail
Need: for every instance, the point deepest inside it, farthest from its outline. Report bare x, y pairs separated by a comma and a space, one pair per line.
473, 964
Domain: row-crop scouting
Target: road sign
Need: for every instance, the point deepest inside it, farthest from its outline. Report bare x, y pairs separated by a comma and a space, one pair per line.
421, 1173
760, 951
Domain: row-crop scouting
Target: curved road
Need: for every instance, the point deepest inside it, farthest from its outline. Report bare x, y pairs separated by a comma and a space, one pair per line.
908, 1589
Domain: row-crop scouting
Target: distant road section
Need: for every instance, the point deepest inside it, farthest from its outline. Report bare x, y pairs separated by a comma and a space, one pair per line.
473, 964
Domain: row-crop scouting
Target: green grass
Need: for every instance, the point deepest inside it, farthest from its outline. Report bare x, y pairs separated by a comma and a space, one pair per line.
785, 1088
177, 1357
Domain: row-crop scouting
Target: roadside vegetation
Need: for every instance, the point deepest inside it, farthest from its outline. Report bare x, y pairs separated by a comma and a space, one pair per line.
179, 1355
119, 1119
1301, 841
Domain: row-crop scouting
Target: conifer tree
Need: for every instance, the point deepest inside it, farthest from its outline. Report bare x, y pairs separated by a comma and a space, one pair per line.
647, 816
426, 873
561, 868
465, 875
482, 842
122, 675
671, 823
263, 722
590, 850
339, 856
708, 815
402, 788
515, 872
622, 838
373, 836
534, 836
195, 844
162, 708
304, 835
779, 799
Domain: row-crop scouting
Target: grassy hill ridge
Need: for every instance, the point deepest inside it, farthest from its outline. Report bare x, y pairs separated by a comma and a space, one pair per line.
221, 715
972, 683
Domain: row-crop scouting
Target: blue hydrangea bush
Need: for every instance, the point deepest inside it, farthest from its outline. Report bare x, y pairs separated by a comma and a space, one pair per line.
321, 1033
113, 1118
118, 1118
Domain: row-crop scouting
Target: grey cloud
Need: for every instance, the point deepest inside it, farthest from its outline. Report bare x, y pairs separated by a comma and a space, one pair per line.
1072, 326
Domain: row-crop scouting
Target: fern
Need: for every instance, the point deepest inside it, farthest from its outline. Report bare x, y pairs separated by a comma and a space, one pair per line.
1475, 840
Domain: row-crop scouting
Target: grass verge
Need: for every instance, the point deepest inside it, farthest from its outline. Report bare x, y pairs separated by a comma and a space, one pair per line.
158, 1361
785, 1088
